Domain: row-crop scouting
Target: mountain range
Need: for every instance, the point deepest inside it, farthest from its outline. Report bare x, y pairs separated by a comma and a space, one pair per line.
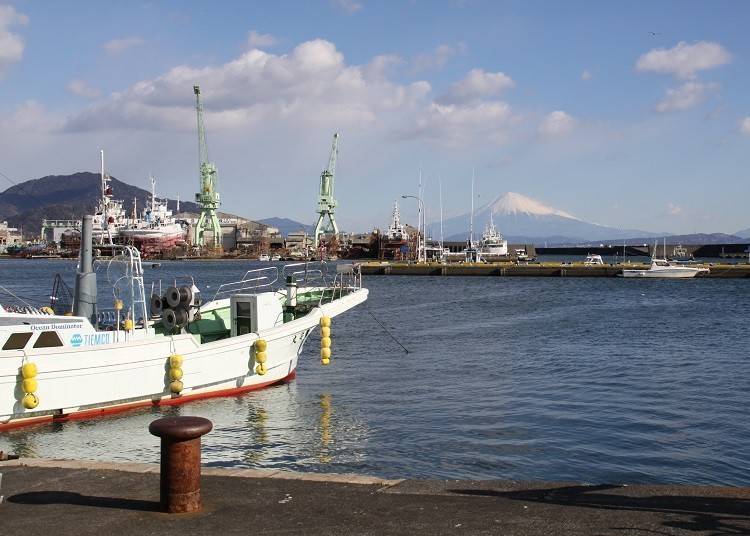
286, 226
522, 219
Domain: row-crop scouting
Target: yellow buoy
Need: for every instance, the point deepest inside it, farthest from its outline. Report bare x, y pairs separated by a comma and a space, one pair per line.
30, 385
325, 331
260, 369
175, 360
261, 345
325, 361
260, 357
30, 401
28, 370
325, 321
325, 342
118, 305
325, 353
176, 387
175, 373
128, 324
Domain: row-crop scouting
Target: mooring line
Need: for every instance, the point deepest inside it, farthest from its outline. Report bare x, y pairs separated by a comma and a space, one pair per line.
385, 329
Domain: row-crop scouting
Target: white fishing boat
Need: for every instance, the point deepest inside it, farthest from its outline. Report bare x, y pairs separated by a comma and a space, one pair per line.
264, 257
593, 260
181, 346
493, 244
275, 257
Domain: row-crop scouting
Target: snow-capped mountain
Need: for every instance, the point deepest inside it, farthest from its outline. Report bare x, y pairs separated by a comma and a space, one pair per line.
522, 219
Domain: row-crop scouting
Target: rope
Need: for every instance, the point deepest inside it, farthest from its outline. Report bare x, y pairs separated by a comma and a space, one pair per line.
386, 329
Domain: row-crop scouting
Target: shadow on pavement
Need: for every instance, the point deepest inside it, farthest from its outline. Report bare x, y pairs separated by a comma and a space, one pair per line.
716, 515
66, 497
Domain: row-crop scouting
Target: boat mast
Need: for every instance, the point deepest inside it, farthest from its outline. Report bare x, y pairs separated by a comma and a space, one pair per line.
471, 221
420, 217
440, 187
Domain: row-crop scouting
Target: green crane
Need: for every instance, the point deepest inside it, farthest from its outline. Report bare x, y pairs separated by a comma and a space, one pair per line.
208, 197
326, 202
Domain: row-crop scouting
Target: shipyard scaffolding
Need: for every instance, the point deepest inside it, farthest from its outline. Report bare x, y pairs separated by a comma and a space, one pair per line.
326, 201
208, 197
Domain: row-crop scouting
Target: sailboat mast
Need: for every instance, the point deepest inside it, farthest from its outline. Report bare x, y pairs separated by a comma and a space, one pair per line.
440, 186
471, 222
420, 215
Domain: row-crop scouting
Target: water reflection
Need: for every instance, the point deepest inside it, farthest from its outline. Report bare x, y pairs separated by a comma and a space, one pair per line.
324, 455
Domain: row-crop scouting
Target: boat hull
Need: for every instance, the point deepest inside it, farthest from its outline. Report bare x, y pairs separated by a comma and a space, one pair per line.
99, 380
686, 273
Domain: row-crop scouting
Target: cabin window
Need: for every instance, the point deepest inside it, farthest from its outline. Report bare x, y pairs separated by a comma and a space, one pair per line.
17, 341
48, 339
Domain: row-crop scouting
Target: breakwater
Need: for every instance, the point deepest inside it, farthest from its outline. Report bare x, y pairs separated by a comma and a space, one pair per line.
546, 269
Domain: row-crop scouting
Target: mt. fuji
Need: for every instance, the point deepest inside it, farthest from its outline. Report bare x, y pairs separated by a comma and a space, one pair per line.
522, 219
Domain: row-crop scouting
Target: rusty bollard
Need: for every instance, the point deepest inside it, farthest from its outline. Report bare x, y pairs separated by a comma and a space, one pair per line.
180, 482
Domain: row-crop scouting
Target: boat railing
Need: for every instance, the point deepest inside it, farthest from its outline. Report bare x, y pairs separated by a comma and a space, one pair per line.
307, 274
348, 278
251, 282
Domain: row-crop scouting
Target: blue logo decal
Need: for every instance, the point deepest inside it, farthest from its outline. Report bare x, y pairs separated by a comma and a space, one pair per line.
76, 340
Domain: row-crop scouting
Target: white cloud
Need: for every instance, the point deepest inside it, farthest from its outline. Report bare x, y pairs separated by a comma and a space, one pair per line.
11, 44
458, 125
260, 40
684, 60
30, 117
348, 6
310, 84
476, 85
437, 58
555, 124
685, 96
82, 89
586, 75
673, 209
745, 126
116, 46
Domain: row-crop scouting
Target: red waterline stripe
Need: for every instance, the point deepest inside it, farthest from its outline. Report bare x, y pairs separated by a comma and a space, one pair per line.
176, 401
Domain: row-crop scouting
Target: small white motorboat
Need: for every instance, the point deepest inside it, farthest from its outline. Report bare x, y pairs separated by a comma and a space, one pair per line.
663, 269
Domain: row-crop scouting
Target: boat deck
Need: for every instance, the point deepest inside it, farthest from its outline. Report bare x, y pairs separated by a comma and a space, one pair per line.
81, 498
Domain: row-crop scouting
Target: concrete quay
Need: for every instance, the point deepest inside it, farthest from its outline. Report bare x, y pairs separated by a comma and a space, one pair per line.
546, 269
80, 498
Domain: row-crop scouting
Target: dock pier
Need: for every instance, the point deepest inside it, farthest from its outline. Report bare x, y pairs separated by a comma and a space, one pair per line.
81, 498
544, 269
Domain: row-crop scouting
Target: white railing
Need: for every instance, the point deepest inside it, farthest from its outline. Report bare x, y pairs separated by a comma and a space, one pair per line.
251, 282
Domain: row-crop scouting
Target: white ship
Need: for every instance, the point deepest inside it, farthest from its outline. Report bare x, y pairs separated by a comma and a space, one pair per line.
181, 347
663, 269
156, 230
493, 244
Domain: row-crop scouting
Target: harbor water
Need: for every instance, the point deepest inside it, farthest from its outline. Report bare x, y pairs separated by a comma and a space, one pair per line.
587, 380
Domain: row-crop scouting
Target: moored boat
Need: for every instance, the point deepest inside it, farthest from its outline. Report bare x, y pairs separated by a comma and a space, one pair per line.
176, 347
663, 269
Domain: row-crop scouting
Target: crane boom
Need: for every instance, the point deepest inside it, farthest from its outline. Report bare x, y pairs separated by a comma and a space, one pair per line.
202, 146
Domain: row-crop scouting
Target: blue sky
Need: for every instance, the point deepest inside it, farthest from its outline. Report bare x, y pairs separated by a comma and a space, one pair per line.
628, 114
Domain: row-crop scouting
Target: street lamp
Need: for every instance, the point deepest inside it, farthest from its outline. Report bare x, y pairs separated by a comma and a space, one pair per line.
420, 227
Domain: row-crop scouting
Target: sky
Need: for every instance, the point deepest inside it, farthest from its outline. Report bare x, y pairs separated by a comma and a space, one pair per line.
626, 113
